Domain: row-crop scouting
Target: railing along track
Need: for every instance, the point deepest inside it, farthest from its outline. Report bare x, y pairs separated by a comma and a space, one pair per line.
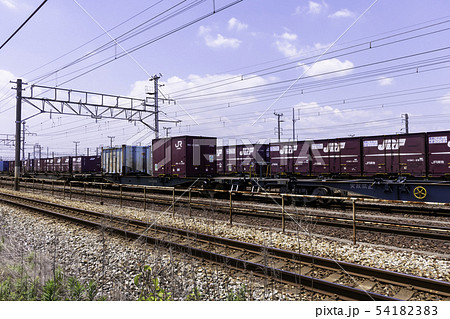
139, 230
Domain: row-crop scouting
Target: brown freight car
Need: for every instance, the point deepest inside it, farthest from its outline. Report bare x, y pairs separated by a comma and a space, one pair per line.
184, 156
402, 154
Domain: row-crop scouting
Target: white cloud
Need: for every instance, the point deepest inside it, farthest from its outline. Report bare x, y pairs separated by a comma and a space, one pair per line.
219, 41
288, 36
10, 4
384, 81
284, 44
343, 13
312, 8
5, 77
327, 66
235, 24
445, 99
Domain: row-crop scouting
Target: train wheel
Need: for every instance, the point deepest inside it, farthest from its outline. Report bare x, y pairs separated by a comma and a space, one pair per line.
322, 191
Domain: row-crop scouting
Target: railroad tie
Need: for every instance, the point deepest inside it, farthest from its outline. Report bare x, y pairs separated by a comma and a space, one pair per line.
404, 294
333, 277
305, 270
237, 255
366, 285
257, 259
279, 264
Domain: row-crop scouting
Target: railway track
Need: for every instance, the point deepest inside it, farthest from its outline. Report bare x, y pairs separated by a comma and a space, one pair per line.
243, 209
339, 280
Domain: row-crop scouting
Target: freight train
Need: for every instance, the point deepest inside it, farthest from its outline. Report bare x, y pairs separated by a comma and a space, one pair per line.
402, 166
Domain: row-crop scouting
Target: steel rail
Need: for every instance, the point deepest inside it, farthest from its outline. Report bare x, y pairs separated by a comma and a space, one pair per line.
420, 283
413, 230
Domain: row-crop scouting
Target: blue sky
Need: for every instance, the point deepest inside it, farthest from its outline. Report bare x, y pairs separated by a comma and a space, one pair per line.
345, 67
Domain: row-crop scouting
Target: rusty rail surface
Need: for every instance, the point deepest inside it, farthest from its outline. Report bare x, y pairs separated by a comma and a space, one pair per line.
319, 285
404, 229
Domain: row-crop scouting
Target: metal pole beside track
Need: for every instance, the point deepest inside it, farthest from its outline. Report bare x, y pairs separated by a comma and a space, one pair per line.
354, 222
145, 198
231, 208
173, 201
121, 200
283, 221
17, 141
190, 208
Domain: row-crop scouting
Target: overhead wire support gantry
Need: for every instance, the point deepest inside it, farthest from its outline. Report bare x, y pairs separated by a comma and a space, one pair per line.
60, 101
89, 104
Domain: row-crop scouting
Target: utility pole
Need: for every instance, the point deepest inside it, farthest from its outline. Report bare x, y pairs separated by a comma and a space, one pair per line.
156, 78
76, 147
406, 120
18, 122
110, 140
23, 140
279, 115
293, 124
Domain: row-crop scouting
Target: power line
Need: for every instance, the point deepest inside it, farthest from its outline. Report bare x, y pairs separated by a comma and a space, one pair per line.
35, 11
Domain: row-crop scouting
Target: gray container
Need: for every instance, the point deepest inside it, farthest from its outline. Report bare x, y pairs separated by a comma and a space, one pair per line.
126, 160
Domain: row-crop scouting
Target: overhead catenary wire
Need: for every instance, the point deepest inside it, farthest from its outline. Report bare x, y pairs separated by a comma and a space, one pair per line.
23, 24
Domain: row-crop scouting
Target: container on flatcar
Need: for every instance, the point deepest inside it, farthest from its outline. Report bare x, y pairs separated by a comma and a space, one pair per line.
39, 165
184, 156
11, 166
28, 166
288, 158
4, 166
402, 154
64, 165
86, 164
438, 154
48, 165
162, 156
340, 156
220, 160
253, 159
125, 160
230, 159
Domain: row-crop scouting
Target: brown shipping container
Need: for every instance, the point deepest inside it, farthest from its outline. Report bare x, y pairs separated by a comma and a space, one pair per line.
438, 154
395, 154
39, 165
252, 158
230, 159
336, 156
289, 158
86, 164
48, 165
161, 152
11, 166
220, 160
66, 164
185, 156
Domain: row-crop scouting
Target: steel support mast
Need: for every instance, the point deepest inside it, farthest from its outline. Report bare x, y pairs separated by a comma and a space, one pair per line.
18, 128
